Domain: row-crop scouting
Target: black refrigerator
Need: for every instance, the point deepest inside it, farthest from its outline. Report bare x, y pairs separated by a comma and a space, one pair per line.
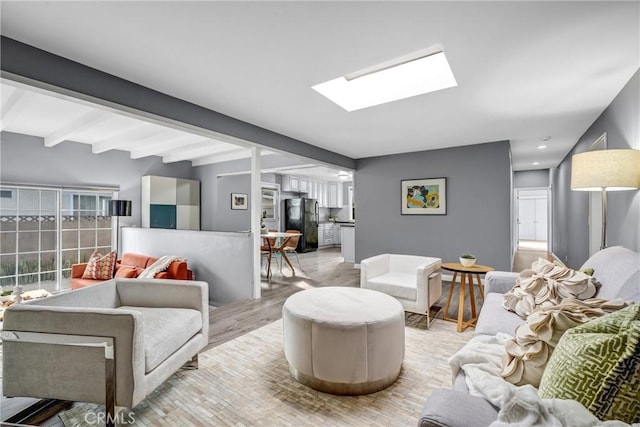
302, 215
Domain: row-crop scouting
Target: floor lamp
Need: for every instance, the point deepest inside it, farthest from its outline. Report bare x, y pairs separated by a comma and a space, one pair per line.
118, 208
605, 170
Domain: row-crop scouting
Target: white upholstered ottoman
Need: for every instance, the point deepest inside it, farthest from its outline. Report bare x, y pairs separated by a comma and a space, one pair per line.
343, 340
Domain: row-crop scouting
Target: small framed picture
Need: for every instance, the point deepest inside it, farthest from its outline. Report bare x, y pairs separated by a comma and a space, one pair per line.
239, 201
424, 196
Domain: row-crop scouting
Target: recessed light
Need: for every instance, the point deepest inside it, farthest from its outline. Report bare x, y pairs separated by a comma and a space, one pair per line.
545, 139
535, 163
408, 78
541, 147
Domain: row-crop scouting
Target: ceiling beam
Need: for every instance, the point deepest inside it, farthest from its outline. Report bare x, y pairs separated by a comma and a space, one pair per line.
15, 106
200, 149
156, 149
85, 121
126, 138
240, 153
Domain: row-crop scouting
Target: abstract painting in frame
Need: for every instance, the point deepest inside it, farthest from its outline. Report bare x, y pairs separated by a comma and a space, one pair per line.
239, 201
424, 196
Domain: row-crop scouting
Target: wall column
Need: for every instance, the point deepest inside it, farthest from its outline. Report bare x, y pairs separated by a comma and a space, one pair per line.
255, 204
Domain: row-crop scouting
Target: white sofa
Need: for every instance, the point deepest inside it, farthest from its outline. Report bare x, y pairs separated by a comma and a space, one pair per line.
413, 280
64, 346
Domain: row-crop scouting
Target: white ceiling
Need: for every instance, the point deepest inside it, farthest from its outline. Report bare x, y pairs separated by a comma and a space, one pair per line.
525, 70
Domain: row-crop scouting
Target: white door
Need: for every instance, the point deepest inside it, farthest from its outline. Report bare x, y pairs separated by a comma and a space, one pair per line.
541, 219
527, 219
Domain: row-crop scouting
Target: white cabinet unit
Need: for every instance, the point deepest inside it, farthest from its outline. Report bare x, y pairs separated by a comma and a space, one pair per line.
290, 183
334, 196
328, 234
304, 185
348, 247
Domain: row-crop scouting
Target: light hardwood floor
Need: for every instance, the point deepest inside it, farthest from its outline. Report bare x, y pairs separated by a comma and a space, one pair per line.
324, 267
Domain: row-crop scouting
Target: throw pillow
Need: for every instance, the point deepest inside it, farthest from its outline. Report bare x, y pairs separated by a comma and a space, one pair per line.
598, 365
529, 350
126, 273
99, 266
545, 285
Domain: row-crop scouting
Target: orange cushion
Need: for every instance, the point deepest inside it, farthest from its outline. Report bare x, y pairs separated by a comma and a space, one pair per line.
100, 266
133, 259
126, 272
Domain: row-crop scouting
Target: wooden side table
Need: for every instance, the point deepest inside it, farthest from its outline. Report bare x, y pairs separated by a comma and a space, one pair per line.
466, 277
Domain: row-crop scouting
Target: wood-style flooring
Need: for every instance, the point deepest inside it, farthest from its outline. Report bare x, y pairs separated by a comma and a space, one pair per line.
324, 267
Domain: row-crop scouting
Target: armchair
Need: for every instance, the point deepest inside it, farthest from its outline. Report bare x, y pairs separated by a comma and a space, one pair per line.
111, 343
413, 280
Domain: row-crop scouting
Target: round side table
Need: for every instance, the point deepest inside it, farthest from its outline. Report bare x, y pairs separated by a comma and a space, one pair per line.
466, 277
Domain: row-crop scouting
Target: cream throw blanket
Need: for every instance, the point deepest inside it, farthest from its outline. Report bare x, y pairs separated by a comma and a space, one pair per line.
480, 359
545, 285
160, 265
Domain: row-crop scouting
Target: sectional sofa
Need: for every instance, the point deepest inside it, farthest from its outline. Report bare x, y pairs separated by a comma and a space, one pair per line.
618, 271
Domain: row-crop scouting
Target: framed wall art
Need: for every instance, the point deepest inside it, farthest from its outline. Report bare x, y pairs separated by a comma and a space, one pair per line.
239, 201
424, 196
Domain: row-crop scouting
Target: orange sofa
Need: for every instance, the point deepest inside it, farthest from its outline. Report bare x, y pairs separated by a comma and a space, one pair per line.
130, 266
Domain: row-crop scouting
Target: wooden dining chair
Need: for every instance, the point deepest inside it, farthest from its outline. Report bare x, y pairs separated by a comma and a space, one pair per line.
268, 249
291, 247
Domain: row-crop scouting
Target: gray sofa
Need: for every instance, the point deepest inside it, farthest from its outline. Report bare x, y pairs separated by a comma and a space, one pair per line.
618, 271
65, 346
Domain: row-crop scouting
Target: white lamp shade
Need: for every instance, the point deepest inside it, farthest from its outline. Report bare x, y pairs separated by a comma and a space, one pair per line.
610, 170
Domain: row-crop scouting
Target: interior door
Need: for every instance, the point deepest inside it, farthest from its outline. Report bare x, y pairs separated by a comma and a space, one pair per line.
526, 219
541, 219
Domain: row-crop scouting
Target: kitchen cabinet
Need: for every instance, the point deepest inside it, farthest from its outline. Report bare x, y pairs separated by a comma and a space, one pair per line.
328, 194
327, 234
348, 246
304, 185
290, 183
334, 199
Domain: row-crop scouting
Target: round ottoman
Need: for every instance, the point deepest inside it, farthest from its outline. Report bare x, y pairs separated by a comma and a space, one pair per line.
343, 340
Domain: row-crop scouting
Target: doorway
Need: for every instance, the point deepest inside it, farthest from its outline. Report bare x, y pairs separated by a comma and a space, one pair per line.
532, 220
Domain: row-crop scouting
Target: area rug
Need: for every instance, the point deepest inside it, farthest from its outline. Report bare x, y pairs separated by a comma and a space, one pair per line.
246, 382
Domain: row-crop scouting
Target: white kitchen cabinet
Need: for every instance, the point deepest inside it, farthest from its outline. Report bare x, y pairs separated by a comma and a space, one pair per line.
328, 234
290, 183
304, 185
322, 194
348, 247
334, 190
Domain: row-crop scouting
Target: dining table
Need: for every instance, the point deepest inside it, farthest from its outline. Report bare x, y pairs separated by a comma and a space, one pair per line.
281, 240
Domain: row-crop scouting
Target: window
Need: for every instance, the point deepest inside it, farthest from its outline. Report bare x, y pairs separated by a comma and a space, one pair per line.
44, 231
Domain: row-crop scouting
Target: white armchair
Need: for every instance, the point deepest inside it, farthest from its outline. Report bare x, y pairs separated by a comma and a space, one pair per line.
413, 280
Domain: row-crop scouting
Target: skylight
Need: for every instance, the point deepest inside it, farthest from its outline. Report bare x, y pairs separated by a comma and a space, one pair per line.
391, 83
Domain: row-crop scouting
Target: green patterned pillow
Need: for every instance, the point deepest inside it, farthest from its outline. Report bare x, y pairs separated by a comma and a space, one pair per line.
598, 364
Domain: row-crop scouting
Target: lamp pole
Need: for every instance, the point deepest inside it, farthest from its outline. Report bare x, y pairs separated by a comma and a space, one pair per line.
603, 242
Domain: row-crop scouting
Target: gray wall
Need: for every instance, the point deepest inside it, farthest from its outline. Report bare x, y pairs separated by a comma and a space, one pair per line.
531, 179
570, 220
228, 219
25, 159
478, 218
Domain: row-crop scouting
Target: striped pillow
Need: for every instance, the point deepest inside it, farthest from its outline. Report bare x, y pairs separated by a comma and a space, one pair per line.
100, 267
